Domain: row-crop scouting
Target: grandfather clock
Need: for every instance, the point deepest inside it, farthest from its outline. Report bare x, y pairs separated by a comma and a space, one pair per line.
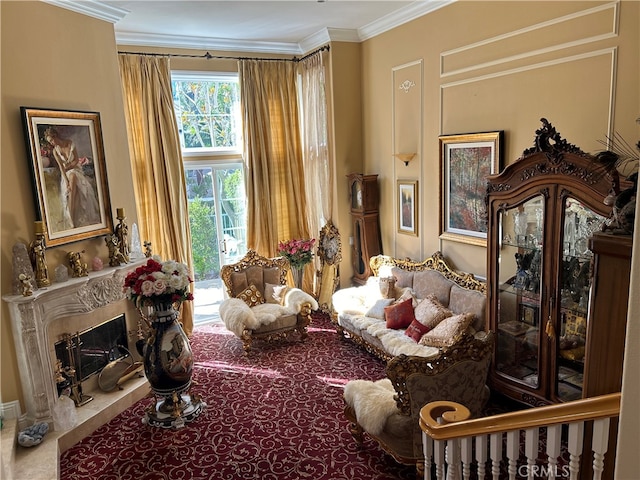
364, 198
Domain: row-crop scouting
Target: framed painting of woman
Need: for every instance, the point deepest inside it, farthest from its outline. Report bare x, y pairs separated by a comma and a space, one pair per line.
69, 173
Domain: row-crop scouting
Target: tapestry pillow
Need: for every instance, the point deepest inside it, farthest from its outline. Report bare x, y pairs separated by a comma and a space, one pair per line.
430, 312
251, 296
378, 308
275, 293
416, 330
399, 315
448, 331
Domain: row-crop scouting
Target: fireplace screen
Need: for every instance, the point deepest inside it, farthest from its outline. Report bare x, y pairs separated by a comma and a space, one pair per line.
91, 350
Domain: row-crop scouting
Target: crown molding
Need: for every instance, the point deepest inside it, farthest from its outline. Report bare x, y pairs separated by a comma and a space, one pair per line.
92, 8
401, 16
102, 11
204, 43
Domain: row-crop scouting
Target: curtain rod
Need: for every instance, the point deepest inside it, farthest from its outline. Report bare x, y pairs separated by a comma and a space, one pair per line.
208, 56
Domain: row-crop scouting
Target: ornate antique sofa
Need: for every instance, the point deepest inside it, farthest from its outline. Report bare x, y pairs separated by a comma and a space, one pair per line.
446, 358
260, 304
359, 312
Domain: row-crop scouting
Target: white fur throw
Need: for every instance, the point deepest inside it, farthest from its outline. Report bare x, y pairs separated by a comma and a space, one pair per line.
237, 315
294, 299
372, 402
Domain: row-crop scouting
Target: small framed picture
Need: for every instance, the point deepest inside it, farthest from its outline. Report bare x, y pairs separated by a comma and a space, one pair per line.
69, 174
529, 314
408, 207
466, 162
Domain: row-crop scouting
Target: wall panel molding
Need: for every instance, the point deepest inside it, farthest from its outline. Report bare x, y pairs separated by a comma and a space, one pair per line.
407, 129
574, 30
611, 74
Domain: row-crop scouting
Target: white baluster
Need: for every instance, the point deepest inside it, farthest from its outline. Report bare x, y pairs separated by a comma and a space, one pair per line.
439, 458
574, 445
495, 452
554, 439
481, 455
531, 449
466, 456
453, 459
599, 445
513, 450
427, 450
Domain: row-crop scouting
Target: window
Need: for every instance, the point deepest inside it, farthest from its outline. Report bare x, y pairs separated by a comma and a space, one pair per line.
207, 108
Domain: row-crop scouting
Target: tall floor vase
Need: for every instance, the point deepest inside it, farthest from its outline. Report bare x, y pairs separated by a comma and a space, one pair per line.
168, 366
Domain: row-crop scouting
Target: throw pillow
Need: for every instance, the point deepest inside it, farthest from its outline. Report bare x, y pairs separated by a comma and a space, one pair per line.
275, 293
416, 330
378, 308
251, 296
399, 315
408, 292
448, 331
430, 312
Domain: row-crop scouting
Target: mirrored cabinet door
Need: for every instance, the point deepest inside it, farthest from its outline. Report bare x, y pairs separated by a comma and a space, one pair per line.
519, 272
580, 223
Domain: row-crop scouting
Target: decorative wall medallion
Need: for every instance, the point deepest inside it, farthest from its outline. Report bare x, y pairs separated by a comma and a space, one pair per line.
406, 86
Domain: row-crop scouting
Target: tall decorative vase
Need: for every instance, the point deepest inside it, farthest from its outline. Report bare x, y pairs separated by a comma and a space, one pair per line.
297, 273
168, 365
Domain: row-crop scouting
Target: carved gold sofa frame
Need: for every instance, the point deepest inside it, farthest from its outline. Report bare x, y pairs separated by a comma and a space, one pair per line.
383, 265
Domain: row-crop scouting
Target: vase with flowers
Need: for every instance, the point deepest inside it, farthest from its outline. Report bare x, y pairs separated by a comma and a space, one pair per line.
158, 289
299, 253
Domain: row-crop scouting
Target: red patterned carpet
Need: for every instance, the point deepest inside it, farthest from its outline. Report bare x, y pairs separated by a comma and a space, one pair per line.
274, 415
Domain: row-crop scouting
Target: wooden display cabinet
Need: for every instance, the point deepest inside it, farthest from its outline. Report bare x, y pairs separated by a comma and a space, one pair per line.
560, 333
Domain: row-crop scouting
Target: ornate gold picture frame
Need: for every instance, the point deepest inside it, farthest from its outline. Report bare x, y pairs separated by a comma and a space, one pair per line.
69, 173
466, 161
408, 207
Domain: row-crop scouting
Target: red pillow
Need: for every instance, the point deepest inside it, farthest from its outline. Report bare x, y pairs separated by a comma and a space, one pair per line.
416, 330
399, 315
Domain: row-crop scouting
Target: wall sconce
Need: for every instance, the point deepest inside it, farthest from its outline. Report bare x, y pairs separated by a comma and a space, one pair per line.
405, 157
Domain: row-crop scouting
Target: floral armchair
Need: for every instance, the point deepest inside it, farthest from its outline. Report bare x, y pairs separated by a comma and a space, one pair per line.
260, 304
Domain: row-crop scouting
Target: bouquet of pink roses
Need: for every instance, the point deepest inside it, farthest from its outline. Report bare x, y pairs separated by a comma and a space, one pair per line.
158, 281
298, 252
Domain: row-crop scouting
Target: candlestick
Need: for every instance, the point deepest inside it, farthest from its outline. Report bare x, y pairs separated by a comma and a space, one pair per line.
39, 226
120, 213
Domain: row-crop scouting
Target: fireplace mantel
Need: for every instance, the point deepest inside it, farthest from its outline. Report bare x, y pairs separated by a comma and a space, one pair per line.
32, 318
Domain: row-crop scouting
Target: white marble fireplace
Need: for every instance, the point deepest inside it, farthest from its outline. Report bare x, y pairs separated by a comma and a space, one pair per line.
40, 320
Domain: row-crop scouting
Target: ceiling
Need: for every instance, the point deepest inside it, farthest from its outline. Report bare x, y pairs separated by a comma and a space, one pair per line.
290, 26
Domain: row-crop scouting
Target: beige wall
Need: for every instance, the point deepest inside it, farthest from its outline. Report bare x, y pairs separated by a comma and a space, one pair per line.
53, 58
487, 69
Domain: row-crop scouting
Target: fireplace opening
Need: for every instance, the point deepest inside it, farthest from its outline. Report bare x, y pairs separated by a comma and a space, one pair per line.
92, 349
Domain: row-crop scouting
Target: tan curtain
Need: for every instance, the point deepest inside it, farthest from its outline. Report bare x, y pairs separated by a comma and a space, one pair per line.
316, 143
274, 172
158, 172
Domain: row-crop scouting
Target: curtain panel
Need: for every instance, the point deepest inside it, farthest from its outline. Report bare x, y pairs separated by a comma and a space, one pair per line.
158, 171
275, 185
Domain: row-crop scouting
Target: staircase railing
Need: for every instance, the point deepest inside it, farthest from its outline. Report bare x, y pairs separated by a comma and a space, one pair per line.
457, 448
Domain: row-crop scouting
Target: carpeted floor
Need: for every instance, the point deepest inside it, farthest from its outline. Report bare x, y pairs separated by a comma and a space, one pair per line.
276, 414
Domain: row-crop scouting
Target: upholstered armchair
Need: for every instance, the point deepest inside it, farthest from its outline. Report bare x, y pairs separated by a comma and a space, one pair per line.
388, 410
260, 304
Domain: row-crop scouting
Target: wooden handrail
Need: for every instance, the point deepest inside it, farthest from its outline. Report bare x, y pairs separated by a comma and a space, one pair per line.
580, 410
